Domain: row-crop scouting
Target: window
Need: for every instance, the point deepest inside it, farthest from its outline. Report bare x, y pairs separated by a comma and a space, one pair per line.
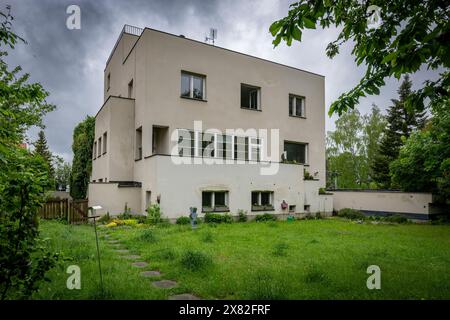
138, 155
130, 89
99, 152
104, 142
100, 180
296, 152
94, 152
296, 106
215, 201
108, 81
262, 200
193, 86
250, 97
214, 145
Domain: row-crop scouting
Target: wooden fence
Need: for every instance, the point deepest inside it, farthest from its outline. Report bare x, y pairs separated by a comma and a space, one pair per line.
73, 211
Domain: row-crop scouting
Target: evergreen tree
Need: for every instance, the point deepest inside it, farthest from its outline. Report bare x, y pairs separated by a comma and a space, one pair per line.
401, 123
41, 148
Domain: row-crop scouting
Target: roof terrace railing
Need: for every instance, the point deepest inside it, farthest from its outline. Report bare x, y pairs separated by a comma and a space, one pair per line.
135, 31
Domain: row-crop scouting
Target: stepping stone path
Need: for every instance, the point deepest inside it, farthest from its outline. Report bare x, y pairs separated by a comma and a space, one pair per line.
132, 257
113, 241
184, 296
122, 251
150, 273
164, 284
140, 264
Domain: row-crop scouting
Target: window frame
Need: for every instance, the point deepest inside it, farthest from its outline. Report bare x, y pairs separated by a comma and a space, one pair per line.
105, 142
99, 145
294, 106
263, 207
306, 162
138, 154
108, 81
213, 207
191, 76
258, 97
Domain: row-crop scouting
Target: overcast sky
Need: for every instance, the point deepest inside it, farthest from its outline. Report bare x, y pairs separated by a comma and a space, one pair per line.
70, 63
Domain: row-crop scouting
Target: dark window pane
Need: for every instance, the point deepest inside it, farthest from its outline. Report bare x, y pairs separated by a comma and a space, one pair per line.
208, 145
255, 198
198, 88
185, 85
265, 198
219, 199
249, 97
206, 199
254, 99
298, 106
291, 103
295, 152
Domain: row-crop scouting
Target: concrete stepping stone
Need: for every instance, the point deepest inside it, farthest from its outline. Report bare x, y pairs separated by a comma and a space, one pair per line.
132, 257
164, 284
122, 251
113, 241
184, 296
139, 264
150, 273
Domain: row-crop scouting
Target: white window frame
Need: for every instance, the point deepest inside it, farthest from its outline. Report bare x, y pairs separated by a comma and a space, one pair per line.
213, 199
191, 84
294, 106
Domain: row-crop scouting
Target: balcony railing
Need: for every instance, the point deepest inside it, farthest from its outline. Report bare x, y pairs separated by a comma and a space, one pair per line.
129, 30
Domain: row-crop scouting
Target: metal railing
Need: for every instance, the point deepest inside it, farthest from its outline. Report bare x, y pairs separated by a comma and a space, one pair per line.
129, 30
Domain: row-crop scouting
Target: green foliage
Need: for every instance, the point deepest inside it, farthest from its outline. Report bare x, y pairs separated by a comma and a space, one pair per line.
307, 175
147, 235
424, 161
105, 219
396, 218
24, 179
154, 214
411, 36
82, 145
217, 218
263, 286
183, 220
351, 214
195, 260
350, 149
207, 237
41, 149
242, 215
62, 174
265, 217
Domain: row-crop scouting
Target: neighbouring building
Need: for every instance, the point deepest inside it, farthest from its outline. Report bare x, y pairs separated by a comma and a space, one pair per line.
159, 86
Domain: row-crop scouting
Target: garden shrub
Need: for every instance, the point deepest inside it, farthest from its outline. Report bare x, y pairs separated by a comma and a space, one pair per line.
397, 218
154, 213
183, 220
217, 218
242, 216
351, 214
265, 217
148, 236
166, 254
104, 219
195, 260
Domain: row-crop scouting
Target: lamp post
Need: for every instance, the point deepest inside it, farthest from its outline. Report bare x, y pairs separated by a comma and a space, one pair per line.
93, 216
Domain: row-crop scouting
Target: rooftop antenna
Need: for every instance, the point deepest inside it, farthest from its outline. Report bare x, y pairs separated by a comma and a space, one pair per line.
212, 35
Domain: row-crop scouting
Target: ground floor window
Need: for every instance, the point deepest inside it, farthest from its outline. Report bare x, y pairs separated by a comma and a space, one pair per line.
215, 201
262, 200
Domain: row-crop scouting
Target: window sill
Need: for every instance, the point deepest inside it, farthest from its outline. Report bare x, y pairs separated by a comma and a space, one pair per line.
195, 99
301, 117
211, 210
137, 159
103, 153
256, 209
251, 109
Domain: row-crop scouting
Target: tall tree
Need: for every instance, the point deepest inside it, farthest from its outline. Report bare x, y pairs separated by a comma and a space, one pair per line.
62, 174
402, 121
410, 35
23, 177
83, 141
41, 148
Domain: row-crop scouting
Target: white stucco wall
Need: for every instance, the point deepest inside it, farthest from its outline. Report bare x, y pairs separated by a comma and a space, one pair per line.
113, 199
395, 202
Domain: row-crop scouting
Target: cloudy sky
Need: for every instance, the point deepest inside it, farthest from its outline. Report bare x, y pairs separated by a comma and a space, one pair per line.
70, 63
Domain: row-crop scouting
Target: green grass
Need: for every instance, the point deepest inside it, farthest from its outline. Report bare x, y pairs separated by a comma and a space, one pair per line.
308, 259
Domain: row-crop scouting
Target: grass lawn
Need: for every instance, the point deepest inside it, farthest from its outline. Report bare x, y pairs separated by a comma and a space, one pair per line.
307, 259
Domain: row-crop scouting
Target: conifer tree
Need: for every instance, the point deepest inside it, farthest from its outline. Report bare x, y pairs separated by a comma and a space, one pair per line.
41, 148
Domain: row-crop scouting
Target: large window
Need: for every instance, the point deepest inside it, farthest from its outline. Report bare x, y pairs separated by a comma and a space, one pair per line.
193, 86
215, 201
250, 97
222, 146
296, 152
105, 139
262, 200
296, 106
